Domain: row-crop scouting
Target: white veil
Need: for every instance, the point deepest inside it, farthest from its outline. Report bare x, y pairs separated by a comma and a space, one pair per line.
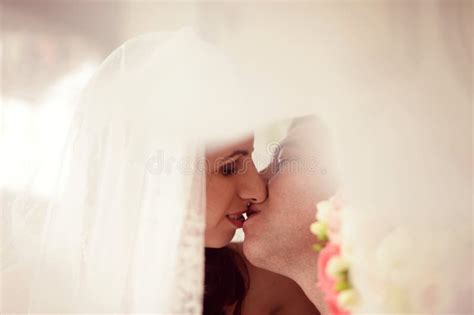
125, 232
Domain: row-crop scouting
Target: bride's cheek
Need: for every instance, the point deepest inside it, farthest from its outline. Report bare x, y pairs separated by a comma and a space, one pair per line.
217, 203
213, 209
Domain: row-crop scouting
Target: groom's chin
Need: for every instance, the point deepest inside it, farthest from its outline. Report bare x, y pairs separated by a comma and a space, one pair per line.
255, 252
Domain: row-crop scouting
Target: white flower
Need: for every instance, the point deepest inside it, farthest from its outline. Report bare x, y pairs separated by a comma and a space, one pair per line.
324, 209
336, 266
347, 299
319, 229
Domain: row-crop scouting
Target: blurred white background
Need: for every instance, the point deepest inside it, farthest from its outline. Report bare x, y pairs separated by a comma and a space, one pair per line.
49, 50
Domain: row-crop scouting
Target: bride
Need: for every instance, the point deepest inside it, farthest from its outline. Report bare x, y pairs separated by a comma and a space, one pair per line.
232, 284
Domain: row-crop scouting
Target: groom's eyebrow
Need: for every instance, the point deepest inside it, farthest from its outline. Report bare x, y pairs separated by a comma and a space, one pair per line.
287, 143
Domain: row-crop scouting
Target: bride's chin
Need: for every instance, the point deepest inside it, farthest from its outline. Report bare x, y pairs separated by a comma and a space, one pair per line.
219, 241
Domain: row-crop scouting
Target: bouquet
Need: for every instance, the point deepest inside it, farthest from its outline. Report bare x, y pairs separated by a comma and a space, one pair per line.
397, 262
333, 264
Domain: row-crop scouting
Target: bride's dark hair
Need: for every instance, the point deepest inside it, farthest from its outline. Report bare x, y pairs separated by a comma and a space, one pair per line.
226, 281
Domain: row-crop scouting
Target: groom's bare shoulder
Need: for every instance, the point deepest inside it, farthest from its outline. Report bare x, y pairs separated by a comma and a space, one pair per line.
271, 293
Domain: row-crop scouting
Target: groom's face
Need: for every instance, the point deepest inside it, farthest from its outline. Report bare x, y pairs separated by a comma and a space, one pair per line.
298, 177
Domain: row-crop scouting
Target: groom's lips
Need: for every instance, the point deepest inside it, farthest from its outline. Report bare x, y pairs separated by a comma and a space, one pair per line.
251, 212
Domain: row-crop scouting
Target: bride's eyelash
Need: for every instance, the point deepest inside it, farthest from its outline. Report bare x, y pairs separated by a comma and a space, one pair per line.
228, 169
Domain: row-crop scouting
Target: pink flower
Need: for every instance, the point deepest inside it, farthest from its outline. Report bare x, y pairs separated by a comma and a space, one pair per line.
325, 282
333, 307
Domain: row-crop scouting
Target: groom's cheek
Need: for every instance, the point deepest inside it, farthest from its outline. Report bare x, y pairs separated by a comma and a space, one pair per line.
282, 190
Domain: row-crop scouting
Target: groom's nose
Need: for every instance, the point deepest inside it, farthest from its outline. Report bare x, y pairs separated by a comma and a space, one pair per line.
252, 186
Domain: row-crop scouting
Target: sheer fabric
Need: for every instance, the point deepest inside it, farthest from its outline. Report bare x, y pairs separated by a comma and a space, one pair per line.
124, 232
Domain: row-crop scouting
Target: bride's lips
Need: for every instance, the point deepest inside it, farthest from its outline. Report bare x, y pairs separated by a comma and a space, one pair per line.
237, 218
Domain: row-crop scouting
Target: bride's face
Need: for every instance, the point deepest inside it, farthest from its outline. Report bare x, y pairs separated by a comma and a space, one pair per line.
232, 182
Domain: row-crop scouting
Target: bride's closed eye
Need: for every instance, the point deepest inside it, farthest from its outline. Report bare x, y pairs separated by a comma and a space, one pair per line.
232, 164
229, 168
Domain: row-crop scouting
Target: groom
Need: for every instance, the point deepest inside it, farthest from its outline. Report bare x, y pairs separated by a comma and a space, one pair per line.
277, 236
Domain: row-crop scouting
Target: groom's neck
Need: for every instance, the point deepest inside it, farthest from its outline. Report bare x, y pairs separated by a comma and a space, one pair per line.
304, 271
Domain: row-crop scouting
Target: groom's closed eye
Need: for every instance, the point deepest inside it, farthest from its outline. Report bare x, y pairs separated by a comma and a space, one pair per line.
285, 154
269, 171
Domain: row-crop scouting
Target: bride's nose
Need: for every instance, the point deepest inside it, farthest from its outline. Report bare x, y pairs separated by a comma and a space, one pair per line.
252, 186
